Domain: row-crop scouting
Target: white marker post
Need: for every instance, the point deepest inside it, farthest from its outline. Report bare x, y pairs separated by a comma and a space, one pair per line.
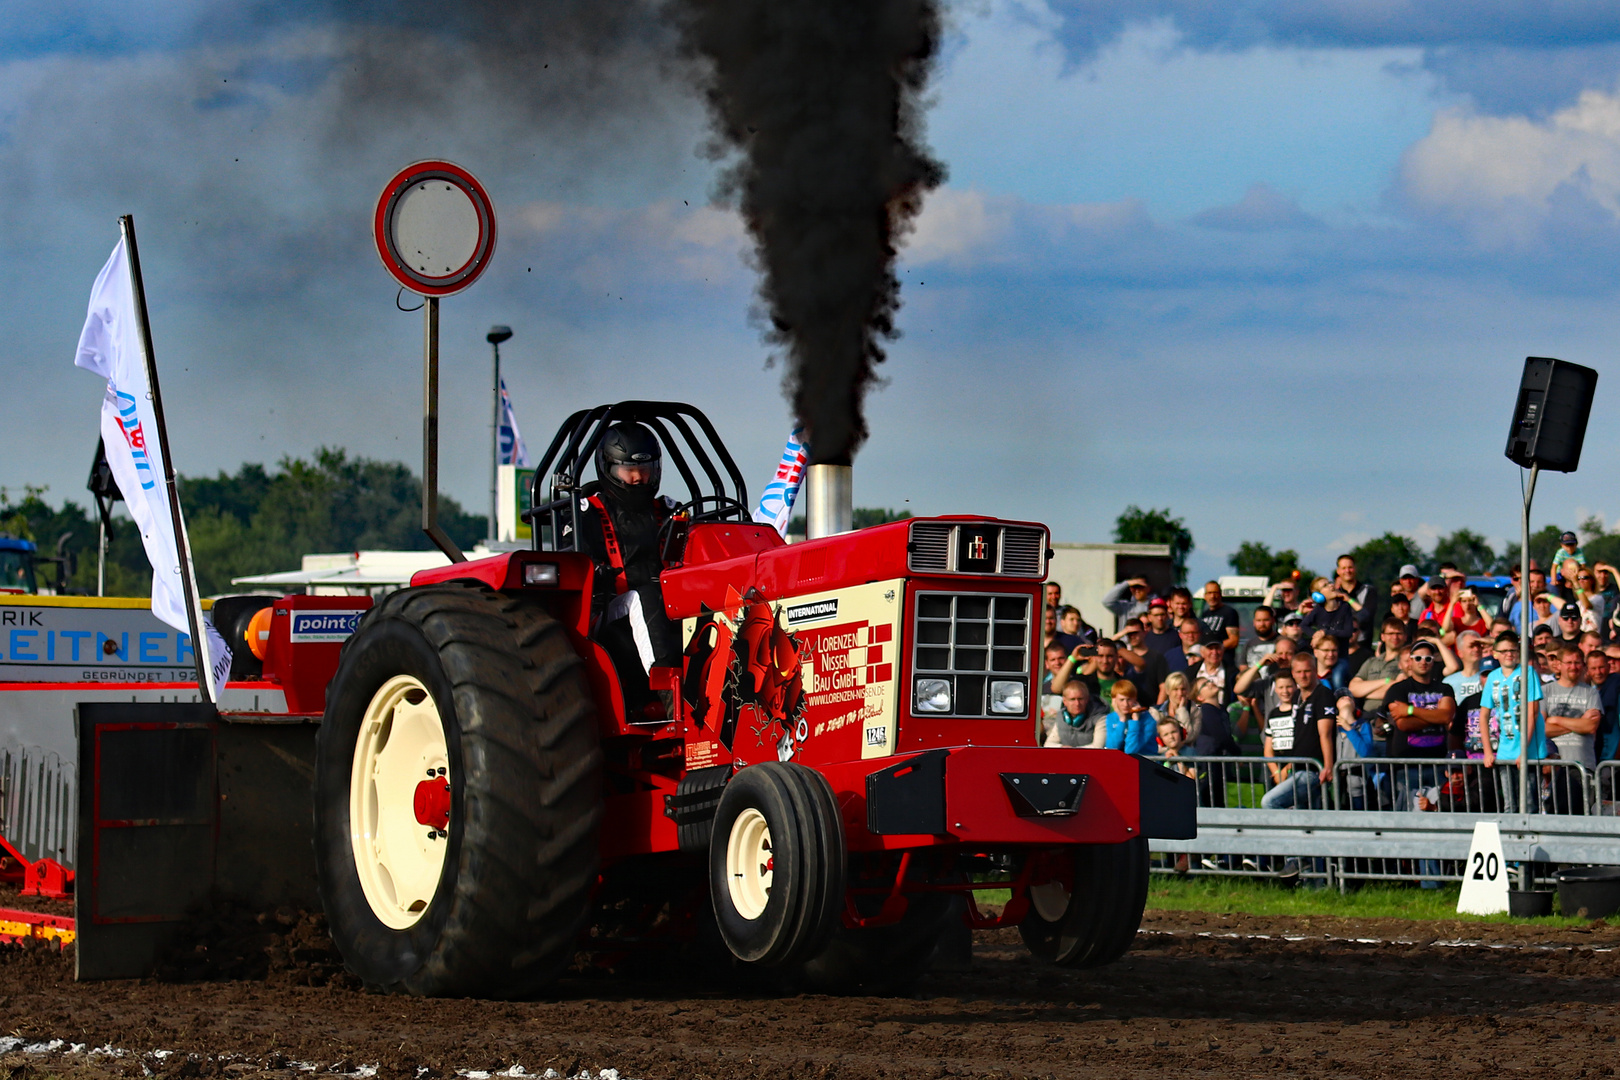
1485, 881
435, 232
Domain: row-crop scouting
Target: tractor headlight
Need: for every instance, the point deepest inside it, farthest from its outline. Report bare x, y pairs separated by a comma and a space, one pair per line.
933, 695
1007, 696
539, 573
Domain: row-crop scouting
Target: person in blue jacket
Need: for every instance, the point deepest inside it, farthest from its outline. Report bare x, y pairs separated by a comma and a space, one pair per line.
1130, 726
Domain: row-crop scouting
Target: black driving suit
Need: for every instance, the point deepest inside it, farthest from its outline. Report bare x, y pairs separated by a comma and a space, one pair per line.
636, 569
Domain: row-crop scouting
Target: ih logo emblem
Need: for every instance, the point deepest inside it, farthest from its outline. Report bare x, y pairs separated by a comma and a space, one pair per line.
976, 550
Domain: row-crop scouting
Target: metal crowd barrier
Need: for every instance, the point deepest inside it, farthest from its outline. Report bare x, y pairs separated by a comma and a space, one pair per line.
38, 803
1460, 785
1236, 782
1406, 819
1239, 785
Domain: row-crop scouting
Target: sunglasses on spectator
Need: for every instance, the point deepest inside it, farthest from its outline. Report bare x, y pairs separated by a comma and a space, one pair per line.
1423, 658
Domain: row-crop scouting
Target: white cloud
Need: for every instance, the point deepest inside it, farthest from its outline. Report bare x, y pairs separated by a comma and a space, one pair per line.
1426, 534
1502, 176
667, 239
956, 225
1344, 542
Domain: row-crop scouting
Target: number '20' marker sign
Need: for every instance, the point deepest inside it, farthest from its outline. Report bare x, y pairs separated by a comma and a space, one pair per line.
1485, 880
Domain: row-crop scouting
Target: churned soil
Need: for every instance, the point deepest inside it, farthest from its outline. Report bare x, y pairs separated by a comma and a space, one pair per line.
1198, 995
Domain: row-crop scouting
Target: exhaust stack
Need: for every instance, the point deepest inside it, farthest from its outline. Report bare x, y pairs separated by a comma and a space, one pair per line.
830, 500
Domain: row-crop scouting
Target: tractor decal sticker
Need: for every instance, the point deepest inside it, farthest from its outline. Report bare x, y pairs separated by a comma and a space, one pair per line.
760, 684
309, 627
743, 668
850, 672
813, 612
852, 669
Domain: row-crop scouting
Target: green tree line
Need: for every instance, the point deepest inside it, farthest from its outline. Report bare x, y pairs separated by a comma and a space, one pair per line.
254, 521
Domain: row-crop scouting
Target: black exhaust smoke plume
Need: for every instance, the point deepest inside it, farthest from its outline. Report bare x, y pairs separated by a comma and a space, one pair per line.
823, 98
820, 100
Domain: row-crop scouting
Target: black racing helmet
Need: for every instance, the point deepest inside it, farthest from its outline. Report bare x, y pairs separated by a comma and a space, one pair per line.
629, 443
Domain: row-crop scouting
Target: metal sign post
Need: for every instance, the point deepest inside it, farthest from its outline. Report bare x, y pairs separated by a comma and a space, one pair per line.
434, 226
1549, 426
1525, 607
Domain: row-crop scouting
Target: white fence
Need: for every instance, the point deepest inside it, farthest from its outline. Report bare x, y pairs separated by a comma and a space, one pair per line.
39, 795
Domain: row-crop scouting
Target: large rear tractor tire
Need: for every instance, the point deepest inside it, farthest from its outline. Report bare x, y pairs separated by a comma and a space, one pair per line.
1094, 922
457, 795
882, 960
777, 864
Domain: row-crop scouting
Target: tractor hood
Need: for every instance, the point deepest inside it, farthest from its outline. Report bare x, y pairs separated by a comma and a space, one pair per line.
971, 547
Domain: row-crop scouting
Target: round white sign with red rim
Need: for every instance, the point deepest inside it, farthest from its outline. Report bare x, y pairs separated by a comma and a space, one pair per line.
435, 228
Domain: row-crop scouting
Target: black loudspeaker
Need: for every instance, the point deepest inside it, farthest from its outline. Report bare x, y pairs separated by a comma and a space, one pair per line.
1549, 421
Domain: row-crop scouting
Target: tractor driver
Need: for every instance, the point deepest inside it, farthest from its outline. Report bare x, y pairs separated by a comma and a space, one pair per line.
621, 514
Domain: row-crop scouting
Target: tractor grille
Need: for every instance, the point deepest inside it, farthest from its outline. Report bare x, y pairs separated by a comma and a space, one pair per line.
939, 547
931, 547
971, 640
1023, 551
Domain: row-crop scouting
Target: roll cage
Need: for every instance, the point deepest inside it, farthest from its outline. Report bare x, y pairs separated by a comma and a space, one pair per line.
559, 476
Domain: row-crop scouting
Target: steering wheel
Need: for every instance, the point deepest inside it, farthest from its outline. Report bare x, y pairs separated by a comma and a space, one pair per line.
724, 506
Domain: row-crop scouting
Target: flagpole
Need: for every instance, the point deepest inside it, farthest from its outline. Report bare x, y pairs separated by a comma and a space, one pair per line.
188, 587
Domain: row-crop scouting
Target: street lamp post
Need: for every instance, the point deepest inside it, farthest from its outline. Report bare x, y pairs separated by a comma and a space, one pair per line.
496, 335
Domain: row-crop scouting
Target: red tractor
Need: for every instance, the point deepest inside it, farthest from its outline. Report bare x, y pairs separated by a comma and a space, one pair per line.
845, 756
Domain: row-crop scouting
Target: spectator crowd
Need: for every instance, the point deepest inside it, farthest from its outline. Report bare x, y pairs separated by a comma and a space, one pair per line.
1338, 671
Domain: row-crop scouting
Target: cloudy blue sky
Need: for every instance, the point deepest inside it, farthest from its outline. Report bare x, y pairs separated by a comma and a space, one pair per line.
1274, 265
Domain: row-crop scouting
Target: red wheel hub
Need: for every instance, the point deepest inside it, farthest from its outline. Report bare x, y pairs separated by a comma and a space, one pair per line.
432, 802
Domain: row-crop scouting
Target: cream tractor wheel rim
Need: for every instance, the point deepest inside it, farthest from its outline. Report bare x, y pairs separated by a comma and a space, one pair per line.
399, 858
1050, 901
749, 865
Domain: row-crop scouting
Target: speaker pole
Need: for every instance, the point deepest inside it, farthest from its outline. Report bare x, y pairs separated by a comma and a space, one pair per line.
1526, 605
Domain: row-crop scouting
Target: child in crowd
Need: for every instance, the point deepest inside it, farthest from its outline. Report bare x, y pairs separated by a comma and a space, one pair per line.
1171, 740
1278, 738
1129, 726
1214, 725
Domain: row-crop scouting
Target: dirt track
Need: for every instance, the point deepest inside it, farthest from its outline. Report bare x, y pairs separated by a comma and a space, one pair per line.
1178, 1004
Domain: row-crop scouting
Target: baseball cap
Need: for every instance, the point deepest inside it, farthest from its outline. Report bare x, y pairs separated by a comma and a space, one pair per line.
1292, 617
1570, 611
1409, 571
1569, 538
1157, 601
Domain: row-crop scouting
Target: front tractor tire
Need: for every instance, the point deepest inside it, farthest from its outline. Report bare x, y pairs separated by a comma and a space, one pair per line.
777, 864
457, 795
1090, 917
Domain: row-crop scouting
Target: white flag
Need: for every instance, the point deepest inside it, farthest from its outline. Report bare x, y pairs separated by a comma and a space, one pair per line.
776, 501
513, 451
111, 347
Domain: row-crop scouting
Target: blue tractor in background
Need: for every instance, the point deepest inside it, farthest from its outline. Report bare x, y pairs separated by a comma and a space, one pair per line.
17, 565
